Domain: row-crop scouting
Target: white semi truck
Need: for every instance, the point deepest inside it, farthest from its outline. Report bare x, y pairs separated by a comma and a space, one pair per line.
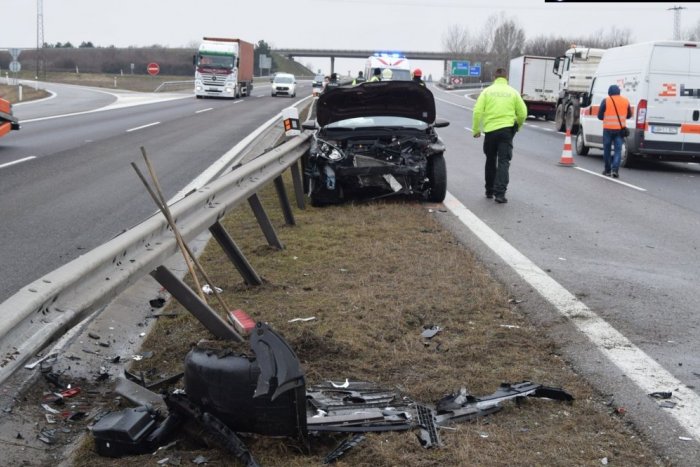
223, 68
532, 76
575, 71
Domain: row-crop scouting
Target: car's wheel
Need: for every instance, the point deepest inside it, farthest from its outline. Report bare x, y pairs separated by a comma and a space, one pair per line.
437, 176
581, 148
559, 123
294, 95
272, 94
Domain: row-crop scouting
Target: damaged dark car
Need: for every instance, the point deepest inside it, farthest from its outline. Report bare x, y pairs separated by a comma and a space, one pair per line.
375, 140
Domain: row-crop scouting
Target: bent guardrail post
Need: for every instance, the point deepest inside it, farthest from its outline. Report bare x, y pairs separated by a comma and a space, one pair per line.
250, 277
46, 308
284, 201
195, 305
298, 185
264, 222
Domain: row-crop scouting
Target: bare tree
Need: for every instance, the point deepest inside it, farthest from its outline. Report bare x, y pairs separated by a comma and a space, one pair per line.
456, 40
484, 41
548, 46
693, 33
508, 41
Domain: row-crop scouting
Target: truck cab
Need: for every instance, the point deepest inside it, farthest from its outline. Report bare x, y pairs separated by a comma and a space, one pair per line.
575, 70
394, 66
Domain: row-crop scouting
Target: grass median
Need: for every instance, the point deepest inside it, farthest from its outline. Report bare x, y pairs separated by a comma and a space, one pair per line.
374, 275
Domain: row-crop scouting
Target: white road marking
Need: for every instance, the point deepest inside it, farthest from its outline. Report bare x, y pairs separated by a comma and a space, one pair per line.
616, 180
452, 103
634, 364
18, 161
142, 127
204, 110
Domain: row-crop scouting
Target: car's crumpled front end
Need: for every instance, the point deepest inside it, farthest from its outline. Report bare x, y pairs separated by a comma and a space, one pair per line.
375, 140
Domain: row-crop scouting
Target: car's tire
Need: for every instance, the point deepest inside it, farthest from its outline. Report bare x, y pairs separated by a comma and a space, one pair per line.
559, 123
273, 94
294, 95
581, 148
437, 176
199, 97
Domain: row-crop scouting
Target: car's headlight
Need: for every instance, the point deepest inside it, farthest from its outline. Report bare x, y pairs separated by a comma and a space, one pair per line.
330, 152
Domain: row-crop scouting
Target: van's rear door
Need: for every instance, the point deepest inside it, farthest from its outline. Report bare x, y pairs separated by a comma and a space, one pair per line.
691, 126
673, 108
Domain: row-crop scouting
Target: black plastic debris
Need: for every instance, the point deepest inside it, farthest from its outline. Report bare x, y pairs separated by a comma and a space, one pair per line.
264, 395
343, 448
157, 302
125, 433
661, 394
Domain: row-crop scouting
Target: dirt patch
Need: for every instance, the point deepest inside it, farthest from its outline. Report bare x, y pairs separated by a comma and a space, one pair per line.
11, 93
374, 276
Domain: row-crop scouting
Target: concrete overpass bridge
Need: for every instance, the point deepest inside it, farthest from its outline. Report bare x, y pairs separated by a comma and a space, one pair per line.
336, 53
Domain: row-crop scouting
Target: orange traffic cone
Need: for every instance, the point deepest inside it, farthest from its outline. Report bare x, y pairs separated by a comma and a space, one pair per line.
567, 159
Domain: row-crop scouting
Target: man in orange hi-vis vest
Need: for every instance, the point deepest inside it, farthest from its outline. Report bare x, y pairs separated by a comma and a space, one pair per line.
614, 112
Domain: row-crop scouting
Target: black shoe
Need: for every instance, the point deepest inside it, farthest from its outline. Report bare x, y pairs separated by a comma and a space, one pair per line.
607, 174
500, 199
489, 194
615, 175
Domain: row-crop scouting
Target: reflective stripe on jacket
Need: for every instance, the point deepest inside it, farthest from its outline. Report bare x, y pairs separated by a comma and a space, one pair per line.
498, 106
612, 119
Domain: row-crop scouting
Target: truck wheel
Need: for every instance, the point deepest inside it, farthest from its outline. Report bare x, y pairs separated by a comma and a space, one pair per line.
437, 176
570, 119
581, 148
559, 123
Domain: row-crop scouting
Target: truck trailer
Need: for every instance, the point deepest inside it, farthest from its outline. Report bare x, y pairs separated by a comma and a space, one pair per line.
223, 68
575, 71
532, 76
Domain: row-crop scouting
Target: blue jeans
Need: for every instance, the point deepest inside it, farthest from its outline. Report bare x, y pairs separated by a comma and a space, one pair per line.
611, 137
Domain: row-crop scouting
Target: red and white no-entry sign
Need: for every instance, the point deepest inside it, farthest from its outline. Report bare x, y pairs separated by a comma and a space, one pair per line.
153, 69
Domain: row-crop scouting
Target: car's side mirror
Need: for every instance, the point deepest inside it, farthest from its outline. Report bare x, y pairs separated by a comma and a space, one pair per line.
440, 123
309, 125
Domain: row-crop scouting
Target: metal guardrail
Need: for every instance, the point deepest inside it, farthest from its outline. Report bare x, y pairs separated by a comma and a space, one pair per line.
166, 84
46, 308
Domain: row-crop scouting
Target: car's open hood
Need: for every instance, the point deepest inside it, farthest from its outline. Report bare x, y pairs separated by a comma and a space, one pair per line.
382, 98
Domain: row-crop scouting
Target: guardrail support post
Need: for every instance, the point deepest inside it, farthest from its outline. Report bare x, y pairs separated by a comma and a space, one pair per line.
189, 299
235, 255
298, 185
284, 201
264, 222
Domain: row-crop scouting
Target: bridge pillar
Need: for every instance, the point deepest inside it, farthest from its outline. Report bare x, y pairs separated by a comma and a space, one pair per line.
332, 64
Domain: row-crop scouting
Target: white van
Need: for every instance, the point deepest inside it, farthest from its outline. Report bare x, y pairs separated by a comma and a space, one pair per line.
394, 67
661, 79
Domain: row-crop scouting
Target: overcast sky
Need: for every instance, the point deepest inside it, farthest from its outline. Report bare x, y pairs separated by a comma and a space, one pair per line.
415, 25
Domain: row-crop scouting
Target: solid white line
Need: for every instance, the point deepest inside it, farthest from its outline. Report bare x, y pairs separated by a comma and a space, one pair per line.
616, 180
18, 161
636, 365
204, 110
452, 103
142, 126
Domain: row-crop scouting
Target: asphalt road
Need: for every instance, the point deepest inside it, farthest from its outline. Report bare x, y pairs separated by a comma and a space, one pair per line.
628, 249
67, 185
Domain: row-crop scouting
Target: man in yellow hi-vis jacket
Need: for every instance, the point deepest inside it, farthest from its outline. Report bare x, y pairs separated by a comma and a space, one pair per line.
501, 111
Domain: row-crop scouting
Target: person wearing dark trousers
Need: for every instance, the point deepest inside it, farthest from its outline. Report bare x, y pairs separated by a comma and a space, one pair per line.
614, 111
501, 111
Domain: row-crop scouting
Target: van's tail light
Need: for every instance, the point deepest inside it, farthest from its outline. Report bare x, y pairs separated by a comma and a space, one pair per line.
641, 114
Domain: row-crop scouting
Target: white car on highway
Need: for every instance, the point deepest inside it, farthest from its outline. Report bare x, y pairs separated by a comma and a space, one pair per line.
284, 83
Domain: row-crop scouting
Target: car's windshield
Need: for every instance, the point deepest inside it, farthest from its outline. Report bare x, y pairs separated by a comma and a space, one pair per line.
380, 121
284, 79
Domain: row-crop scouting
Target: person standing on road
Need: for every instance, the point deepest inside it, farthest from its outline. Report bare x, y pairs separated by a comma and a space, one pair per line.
418, 76
502, 112
376, 75
360, 79
611, 112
